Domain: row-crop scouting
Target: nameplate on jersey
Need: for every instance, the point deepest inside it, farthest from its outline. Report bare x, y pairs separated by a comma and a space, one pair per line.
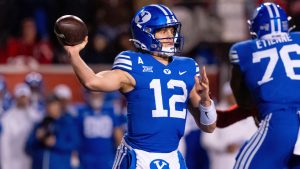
147, 68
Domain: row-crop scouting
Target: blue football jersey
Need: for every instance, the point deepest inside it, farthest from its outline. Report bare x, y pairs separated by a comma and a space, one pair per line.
271, 68
97, 130
157, 105
97, 148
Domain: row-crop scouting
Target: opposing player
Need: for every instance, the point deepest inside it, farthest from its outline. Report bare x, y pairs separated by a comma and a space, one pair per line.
159, 88
268, 67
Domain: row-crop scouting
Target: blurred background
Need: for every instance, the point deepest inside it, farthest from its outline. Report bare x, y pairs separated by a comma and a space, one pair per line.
49, 120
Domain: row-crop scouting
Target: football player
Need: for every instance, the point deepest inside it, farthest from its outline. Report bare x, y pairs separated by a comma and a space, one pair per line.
266, 72
159, 86
35, 81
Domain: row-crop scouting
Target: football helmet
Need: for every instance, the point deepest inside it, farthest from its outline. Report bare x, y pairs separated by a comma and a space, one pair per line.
150, 19
268, 18
34, 80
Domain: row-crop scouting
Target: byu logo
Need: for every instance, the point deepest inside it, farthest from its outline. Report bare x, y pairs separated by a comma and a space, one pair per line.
143, 17
159, 164
265, 27
167, 71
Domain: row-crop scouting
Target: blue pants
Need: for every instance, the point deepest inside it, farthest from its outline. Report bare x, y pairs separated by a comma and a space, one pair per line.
271, 147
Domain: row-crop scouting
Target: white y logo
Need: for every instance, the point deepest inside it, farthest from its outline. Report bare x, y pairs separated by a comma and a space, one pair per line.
167, 71
143, 17
160, 166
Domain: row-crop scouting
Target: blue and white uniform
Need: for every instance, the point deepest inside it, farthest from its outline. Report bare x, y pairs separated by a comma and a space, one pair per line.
97, 147
157, 108
271, 70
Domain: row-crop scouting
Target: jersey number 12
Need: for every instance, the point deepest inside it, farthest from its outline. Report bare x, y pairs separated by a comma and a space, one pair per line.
159, 110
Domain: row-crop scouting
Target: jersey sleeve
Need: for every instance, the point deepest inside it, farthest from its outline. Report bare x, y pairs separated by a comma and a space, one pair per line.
197, 70
123, 61
193, 67
234, 56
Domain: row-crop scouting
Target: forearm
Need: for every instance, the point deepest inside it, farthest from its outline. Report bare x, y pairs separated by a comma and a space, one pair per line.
208, 115
118, 135
207, 125
84, 73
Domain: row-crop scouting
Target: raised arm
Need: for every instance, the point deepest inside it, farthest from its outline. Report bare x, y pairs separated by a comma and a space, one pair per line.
105, 81
200, 104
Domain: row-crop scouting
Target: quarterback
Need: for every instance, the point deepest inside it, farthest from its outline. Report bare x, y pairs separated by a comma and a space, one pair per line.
160, 89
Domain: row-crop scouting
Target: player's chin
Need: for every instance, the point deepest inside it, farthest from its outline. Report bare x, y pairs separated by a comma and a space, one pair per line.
165, 54
167, 45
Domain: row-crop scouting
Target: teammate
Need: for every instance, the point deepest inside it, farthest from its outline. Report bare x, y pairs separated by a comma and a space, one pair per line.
159, 88
266, 70
100, 132
35, 81
6, 99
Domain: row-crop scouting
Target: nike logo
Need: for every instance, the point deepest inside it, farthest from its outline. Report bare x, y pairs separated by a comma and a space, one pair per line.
181, 73
206, 114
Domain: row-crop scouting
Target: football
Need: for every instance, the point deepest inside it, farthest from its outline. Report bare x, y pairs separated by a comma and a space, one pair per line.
70, 30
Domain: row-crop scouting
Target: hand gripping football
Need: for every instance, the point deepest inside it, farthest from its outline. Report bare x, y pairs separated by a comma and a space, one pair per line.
70, 30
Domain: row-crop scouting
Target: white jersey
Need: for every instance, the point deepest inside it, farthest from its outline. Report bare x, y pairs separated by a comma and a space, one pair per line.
17, 124
216, 143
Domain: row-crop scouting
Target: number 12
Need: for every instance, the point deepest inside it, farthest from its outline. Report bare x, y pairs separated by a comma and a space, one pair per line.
159, 110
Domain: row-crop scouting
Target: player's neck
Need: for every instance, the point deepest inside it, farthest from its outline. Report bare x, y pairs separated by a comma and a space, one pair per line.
163, 60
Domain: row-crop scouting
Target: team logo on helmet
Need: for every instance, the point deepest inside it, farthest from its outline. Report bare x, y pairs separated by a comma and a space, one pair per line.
142, 17
265, 27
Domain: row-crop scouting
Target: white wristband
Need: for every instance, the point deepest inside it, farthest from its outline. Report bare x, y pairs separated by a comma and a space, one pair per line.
208, 115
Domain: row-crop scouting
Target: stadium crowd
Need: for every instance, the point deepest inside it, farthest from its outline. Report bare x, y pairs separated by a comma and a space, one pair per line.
210, 27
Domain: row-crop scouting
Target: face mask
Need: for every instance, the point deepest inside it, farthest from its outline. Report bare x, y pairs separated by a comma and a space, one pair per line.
168, 51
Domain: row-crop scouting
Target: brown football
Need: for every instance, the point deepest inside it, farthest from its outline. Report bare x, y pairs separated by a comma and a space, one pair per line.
70, 30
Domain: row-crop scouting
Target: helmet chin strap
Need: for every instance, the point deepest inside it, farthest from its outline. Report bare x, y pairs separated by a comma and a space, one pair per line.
167, 51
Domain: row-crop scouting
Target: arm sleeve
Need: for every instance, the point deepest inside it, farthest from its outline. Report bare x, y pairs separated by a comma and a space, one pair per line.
123, 62
197, 69
234, 56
